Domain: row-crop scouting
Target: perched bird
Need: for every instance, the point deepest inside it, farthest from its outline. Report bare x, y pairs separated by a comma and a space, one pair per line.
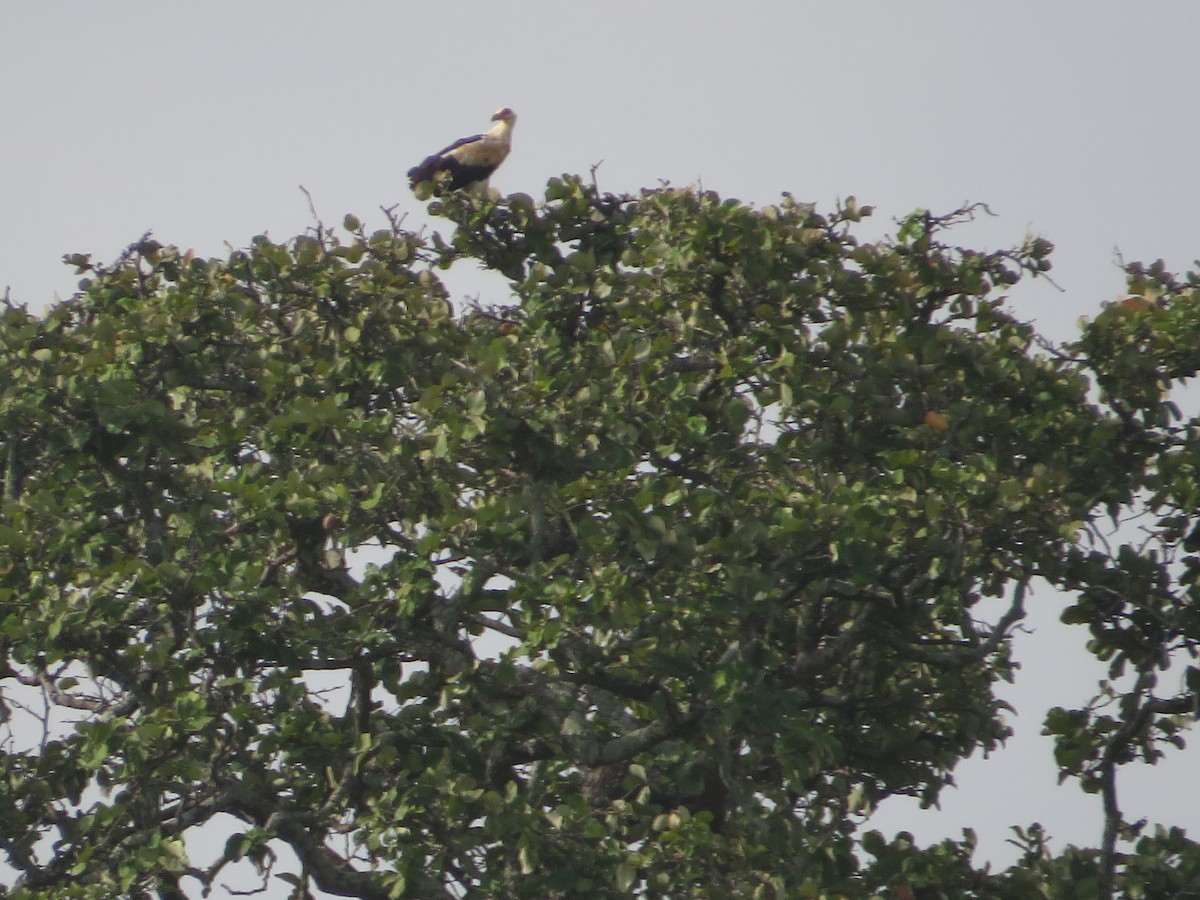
470, 161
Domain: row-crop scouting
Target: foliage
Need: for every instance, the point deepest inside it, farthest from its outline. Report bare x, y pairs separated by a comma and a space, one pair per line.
654, 581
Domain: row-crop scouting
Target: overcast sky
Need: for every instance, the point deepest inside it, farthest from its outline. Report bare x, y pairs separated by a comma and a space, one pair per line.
1075, 121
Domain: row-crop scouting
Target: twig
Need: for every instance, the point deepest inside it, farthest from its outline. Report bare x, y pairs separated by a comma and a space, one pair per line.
313, 209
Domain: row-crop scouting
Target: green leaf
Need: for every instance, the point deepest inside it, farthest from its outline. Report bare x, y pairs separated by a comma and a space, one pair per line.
625, 876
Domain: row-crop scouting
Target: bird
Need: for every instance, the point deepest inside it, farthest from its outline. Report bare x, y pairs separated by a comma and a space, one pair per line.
470, 161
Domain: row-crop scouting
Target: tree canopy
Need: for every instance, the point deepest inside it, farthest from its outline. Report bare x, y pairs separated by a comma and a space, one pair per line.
653, 579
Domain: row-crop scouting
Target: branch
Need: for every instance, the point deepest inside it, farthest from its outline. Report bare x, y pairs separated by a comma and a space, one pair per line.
628, 688
312, 568
807, 665
495, 625
965, 654
56, 694
1115, 750
14, 473
332, 873
630, 745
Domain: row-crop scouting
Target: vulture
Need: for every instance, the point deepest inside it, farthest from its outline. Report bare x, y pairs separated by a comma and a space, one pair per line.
470, 161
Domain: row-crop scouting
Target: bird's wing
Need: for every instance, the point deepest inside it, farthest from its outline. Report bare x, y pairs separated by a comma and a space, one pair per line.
469, 160
437, 161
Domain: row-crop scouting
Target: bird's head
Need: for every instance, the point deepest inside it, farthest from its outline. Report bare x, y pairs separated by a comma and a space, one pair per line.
504, 114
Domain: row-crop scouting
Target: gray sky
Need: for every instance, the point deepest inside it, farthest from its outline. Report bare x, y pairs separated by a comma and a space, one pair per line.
1074, 121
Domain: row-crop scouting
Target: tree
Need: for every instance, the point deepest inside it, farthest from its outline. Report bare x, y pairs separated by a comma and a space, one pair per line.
654, 581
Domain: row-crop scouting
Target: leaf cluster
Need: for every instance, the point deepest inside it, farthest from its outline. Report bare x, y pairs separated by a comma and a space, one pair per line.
654, 579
